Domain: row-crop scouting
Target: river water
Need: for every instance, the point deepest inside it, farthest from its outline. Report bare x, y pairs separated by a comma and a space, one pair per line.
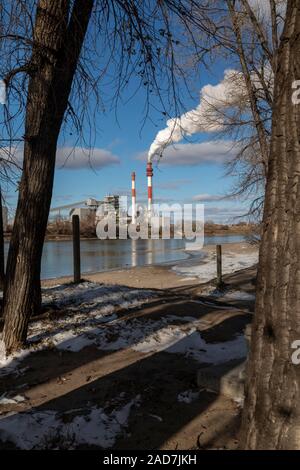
104, 255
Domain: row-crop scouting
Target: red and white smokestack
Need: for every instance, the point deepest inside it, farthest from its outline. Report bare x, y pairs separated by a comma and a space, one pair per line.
133, 195
150, 194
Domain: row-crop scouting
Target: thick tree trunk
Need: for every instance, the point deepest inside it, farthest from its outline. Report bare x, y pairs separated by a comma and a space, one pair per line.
57, 45
2, 261
271, 418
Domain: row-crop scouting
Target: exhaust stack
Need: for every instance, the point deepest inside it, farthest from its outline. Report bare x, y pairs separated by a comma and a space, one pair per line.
150, 194
133, 196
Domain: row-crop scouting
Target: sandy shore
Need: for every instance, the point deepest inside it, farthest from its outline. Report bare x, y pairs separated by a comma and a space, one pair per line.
165, 276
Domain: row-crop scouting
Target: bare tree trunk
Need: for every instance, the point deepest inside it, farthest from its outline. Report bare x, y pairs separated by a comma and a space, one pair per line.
57, 45
2, 261
271, 418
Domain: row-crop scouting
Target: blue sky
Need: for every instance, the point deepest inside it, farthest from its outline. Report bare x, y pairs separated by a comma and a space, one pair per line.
190, 171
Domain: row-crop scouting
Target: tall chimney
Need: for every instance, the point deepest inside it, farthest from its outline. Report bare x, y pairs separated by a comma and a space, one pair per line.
150, 195
133, 195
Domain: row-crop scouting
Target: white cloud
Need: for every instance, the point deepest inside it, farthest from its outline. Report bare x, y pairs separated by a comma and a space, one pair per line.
70, 158
224, 214
208, 198
78, 158
196, 154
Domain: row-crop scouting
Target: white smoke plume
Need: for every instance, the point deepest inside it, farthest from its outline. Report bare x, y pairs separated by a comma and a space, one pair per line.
206, 117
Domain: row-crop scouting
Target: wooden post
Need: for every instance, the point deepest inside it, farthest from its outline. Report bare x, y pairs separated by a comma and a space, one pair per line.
76, 247
219, 266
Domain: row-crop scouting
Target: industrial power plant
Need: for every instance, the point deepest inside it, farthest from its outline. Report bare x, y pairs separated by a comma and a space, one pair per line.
110, 205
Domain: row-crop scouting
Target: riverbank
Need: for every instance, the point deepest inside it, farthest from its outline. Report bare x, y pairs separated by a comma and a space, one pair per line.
112, 362
114, 367
198, 268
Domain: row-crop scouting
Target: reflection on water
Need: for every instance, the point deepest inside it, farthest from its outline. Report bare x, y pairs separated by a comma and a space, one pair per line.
103, 255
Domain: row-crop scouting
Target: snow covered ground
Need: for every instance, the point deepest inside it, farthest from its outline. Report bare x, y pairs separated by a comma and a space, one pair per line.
95, 314
97, 322
205, 269
230, 294
46, 429
86, 307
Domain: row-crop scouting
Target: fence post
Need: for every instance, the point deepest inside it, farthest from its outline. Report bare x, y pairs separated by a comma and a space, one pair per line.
76, 247
219, 266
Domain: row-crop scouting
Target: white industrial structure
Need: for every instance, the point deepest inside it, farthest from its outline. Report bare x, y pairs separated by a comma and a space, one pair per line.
110, 205
90, 207
84, 213
87, 212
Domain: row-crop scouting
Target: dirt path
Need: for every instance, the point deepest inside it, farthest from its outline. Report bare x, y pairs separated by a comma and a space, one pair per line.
125, 396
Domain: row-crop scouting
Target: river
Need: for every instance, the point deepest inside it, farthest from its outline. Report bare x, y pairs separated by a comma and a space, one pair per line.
104, 255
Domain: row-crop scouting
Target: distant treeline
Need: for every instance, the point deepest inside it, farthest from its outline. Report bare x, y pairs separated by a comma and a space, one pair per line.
63, 228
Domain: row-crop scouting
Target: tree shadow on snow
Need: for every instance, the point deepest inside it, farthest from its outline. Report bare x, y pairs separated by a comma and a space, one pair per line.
158, 416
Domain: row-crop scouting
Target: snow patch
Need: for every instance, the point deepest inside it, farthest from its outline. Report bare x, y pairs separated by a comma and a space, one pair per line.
87, 325
195, 347
86, 307
152, 336
188, 396
205, 269
239, 295
9, 363
160, 340
189, 342
228, 295
4, 400
46, 429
